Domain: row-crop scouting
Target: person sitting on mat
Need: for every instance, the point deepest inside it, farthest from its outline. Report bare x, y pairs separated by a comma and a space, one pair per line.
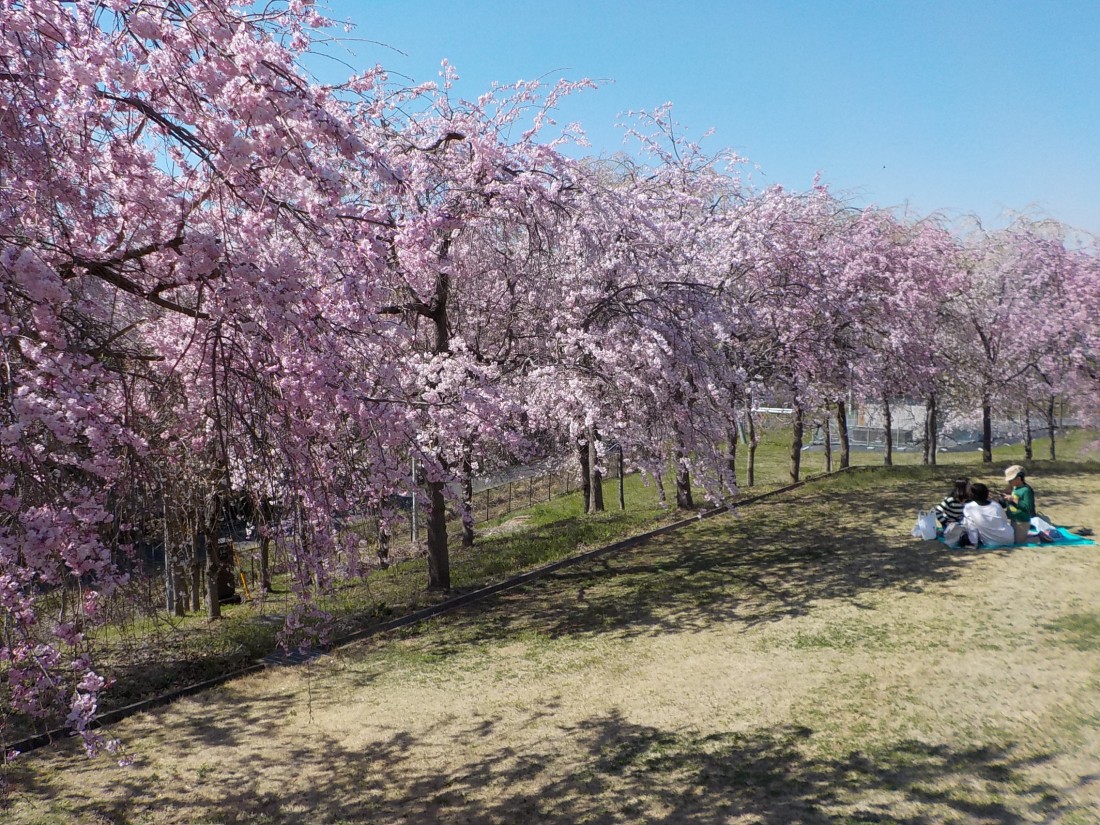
985, 521
950, 510
1019, 502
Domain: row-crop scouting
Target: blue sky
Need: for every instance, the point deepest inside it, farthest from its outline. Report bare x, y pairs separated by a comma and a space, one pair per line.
970, 107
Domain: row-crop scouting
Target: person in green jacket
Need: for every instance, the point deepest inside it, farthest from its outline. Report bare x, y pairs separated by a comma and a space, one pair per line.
1019, 502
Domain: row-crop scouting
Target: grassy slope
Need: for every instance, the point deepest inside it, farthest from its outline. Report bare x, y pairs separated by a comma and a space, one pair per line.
807, 662
154, 654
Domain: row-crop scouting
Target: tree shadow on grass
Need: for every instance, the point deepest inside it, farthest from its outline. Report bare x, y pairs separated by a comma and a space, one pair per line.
534, 545
215, 723
604, 769
777, 561
139, 681
136, 683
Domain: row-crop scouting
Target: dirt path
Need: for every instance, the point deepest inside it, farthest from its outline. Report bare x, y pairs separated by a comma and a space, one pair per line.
742, 671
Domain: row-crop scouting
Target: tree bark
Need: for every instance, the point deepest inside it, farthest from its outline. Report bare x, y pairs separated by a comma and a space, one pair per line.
1027, 432
467, 498
594, 469
1051, 426
684, 499
177, 605
174, 533
796, 444
265, 564
196, 585
731, 457
987, 431
439, 559
842, 433
586, 474
622, 480
383, 545
888, 431
194, 564
828, 444
662, 496
750, 465
213, 569
931, 430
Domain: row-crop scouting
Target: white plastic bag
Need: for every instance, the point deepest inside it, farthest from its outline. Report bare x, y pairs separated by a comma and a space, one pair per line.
1040, 525
925, 527
1047, 532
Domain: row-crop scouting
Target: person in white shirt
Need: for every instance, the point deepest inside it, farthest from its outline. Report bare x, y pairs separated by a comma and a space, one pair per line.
985, 521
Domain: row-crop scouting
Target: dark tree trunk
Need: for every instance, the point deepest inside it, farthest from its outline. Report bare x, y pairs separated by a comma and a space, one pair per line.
177, 590
987, 431
213, 571
842, 433
179, 605
194, 566
662, 496
597, 476
586, 474
1051, 426
1027, 432
173, 563
796, 444
684, 499
731, 457
439, 560
467, 499
265, 564
750, 465
196, 586
888, 432
931, 430
383, 545
825, 428
622, 480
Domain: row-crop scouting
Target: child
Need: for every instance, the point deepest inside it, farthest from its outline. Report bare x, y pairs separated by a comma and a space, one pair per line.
950, 510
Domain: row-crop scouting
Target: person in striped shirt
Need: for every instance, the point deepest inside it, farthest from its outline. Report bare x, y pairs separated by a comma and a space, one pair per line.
950, 510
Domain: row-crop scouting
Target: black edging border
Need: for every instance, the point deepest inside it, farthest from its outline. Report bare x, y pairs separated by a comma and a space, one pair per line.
118, 714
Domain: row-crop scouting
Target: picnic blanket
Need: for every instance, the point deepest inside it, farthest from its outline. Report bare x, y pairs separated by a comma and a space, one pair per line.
1065, 538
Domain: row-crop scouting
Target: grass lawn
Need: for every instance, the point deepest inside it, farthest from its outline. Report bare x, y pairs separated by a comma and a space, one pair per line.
804, 662
151, 654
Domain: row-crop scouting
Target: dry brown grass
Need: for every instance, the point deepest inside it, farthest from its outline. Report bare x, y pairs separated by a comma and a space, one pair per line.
807, 663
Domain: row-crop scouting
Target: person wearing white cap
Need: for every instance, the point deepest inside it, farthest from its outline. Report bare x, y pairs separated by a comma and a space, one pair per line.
1019, 502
